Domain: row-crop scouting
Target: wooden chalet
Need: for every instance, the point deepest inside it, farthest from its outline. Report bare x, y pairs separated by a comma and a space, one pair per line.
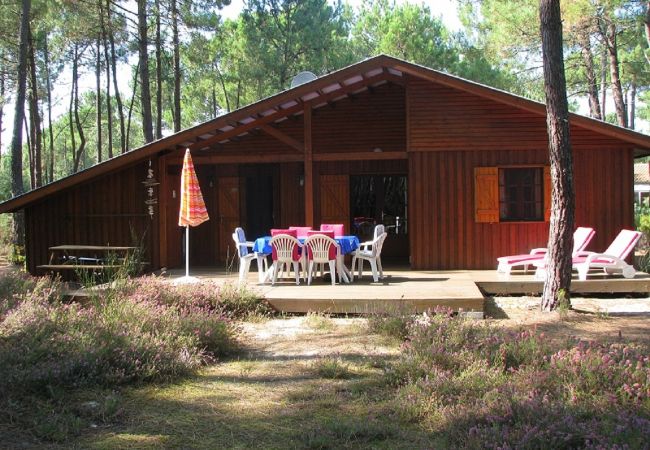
463, 166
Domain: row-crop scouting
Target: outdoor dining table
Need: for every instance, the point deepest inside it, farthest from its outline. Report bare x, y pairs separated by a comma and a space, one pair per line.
347, 244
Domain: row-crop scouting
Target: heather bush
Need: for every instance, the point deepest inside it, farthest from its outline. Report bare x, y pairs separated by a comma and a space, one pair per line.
120, 336
477, 386
228, 300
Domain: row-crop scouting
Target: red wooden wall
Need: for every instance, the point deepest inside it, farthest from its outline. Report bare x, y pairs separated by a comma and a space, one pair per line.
450, 133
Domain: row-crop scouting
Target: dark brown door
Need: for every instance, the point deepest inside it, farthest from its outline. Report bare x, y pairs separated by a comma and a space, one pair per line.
228, 199
335, 200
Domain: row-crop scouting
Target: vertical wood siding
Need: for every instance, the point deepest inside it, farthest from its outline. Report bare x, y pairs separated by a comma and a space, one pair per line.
106, 211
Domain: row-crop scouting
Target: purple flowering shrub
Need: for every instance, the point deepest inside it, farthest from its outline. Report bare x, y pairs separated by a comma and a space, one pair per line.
229, 300
478, 386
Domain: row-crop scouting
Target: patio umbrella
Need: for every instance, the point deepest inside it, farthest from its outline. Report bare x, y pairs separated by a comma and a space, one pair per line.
192, 211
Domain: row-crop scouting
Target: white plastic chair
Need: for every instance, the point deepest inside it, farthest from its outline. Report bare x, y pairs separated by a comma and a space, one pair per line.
286, 250
371, 252
321, 249
245, 255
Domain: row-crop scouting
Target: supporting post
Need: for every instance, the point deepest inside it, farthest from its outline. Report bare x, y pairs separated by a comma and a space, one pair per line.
187, 251
309, 168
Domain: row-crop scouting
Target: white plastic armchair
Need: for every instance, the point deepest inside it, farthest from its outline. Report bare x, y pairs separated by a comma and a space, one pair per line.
244, 252
321, 249
286, 250
372, 254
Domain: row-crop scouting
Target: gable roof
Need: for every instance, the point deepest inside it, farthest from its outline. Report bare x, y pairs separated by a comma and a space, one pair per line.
324, 90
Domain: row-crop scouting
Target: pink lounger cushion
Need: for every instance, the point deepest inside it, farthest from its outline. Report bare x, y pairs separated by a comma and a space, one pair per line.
581, 238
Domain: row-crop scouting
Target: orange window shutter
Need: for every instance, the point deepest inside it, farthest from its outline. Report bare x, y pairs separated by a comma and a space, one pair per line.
547, 193
486, 194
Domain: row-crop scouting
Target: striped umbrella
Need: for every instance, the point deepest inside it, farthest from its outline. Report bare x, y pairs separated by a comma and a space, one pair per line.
192, 211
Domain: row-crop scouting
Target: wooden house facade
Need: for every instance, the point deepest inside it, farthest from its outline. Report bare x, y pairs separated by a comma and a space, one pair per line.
458, 170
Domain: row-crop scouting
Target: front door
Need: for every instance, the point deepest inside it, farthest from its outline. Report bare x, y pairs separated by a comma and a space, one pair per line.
228, 199
335, 200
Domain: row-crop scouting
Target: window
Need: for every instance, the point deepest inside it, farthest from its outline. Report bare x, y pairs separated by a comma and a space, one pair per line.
521, 194
512, 194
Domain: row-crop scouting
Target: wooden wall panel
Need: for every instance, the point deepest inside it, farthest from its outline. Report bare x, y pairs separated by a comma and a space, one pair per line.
441, 118
362, 123
444, 234
292, 195
107, 210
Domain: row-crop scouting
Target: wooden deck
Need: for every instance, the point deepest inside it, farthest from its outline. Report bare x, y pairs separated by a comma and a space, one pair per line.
399, 290
405, 289
491, 282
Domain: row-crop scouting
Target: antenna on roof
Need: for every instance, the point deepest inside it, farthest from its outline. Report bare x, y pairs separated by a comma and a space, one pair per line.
302, 78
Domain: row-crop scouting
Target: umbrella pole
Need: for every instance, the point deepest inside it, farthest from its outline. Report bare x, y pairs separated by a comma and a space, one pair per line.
187, 251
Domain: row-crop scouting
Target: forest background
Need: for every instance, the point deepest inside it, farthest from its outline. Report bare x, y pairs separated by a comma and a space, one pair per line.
159, 66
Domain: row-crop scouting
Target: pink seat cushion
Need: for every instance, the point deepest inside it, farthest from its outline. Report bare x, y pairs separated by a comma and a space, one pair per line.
301, 231
520, 259
332, 252
296, 250
337, 228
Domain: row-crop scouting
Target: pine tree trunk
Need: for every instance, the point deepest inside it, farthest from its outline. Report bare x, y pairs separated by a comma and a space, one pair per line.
2, 102
612, 53
632, 103
34, 120
98, 98
158, 74
118, 98
588, 61
177, 68
145, 90
18, 235
77, 119
109, 107
646, 22
30, 150
46, 54
135, 90
603, 82
71, 107
560, 243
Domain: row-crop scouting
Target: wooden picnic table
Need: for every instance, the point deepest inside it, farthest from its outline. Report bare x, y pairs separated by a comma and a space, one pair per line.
86, 257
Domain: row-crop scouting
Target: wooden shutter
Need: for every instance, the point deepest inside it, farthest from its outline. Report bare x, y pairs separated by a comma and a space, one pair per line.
335, 200
486, 194
547, 193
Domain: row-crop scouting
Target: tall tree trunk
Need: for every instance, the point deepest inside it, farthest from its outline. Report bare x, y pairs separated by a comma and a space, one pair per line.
177, 67
2, 101
118, 98
77, 120
603, 82
158, 74
560, 242
588, 61
145, 90
646, 21
30, 151
632, 103
34, 116
71, 106
98, 98
109, 107
48, 86
609, 36
18, 235
135, 90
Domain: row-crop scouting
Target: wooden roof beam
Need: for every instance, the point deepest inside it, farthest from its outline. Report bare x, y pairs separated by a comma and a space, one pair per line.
283, 137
